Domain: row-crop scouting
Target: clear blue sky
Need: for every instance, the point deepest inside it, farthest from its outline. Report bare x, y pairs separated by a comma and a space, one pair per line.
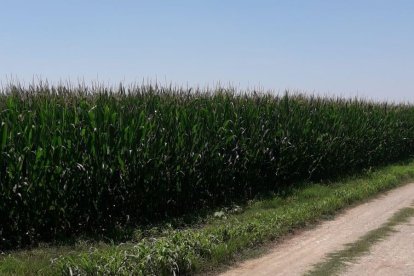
357, 47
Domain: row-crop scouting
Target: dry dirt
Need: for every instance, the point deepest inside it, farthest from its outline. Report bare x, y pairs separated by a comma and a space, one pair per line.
298, 254
393, 256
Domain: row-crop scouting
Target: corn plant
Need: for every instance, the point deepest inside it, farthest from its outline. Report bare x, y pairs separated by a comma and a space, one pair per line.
77, 159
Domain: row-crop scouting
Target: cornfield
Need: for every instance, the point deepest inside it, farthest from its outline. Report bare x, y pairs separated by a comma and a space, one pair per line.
77, 159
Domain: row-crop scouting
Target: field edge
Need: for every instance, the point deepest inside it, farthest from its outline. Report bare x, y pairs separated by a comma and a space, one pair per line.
211, 248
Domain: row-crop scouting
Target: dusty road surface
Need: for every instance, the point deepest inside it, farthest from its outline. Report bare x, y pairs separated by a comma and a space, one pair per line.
298, 254
393, 256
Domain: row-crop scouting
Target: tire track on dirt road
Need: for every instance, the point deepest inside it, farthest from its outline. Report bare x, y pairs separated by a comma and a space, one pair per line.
296, 255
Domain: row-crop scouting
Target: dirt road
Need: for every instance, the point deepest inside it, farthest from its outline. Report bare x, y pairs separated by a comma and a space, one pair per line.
297, 255
393, 256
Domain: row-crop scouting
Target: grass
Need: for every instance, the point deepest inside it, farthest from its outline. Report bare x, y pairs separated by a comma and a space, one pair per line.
217, 242
338, 260
36, 261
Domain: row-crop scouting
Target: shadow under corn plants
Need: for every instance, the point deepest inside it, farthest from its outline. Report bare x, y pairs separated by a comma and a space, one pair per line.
76, 160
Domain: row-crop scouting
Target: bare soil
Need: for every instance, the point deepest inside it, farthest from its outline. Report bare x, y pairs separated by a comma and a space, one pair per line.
394, 256
296, 255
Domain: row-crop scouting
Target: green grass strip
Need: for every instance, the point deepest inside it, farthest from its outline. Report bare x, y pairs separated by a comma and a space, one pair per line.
195, 249
338, 260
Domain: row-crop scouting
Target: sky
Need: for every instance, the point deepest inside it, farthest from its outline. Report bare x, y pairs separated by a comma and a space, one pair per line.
348, 48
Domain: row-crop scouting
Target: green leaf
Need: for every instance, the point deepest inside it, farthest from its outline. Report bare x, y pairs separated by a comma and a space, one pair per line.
3, 135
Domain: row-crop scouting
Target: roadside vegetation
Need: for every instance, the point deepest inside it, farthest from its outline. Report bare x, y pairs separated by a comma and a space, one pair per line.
224, 235
112, 163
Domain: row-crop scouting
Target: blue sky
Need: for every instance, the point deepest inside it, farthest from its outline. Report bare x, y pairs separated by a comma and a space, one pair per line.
343, 48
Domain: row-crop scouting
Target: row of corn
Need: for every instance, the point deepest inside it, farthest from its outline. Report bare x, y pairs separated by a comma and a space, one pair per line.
74, 160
